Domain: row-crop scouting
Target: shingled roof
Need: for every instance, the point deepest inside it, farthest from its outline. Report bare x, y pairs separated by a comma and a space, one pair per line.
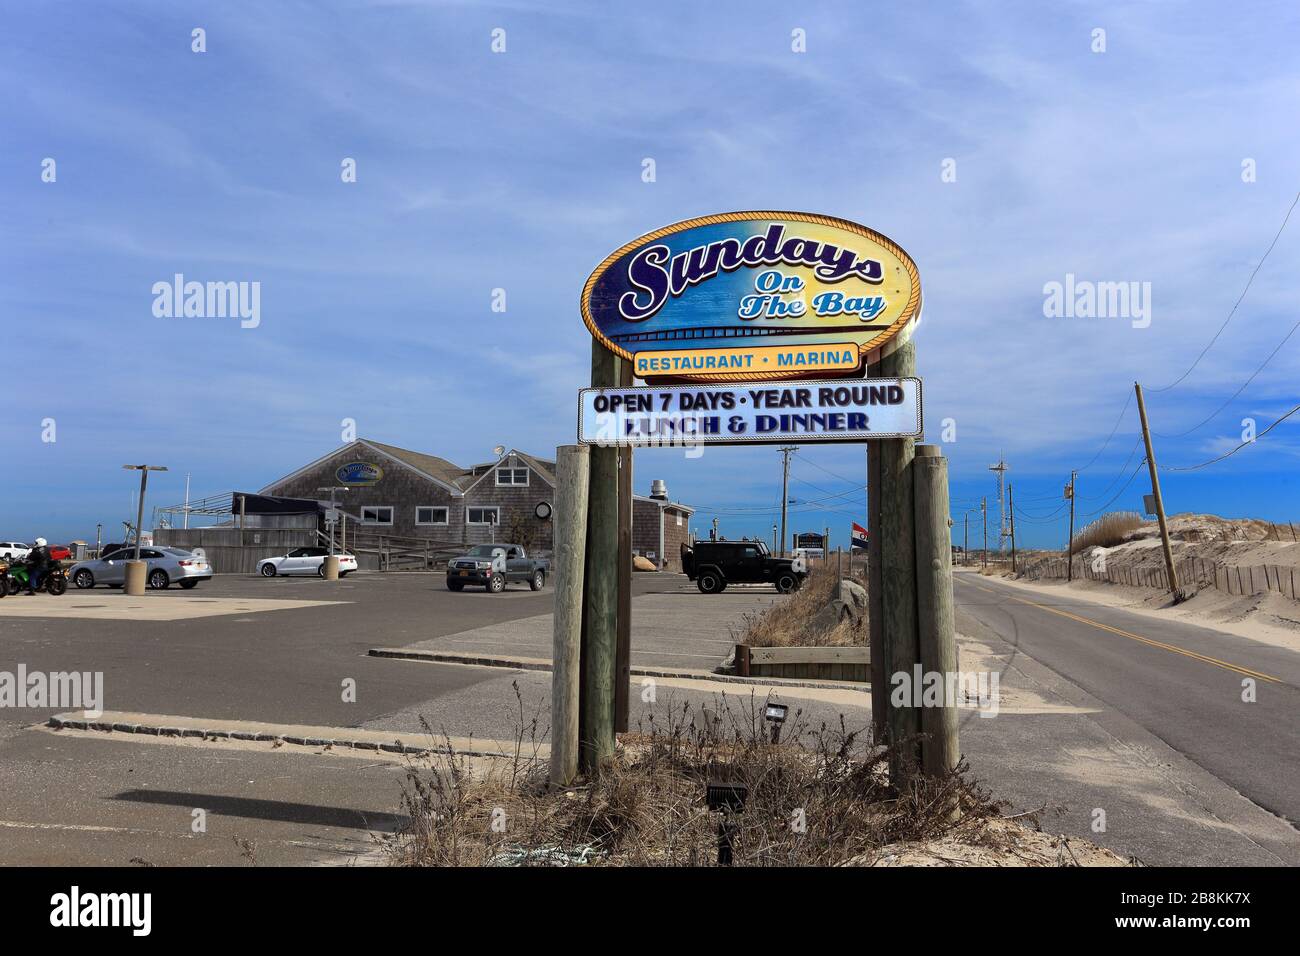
440, 468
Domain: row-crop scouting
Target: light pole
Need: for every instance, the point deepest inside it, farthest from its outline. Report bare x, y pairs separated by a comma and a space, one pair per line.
332, 517
133, 584
139, 514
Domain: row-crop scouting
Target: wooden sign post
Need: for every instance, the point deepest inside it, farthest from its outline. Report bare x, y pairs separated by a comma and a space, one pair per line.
755, 328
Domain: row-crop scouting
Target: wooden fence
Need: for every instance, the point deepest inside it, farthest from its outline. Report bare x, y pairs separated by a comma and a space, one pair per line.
225, 553
1193, 574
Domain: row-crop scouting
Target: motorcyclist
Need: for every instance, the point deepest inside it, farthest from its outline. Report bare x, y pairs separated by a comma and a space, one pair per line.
38, 562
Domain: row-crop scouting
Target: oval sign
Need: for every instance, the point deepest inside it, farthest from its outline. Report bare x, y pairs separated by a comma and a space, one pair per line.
749, 296
359, 473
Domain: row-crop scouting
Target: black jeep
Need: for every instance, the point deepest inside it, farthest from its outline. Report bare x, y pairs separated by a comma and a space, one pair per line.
712, 565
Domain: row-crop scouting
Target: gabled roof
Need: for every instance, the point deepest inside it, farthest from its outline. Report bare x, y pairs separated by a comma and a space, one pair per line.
440, 469
542, 467
449, 475
436, 470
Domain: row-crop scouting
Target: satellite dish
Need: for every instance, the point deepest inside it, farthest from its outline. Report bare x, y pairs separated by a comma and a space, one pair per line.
499, 450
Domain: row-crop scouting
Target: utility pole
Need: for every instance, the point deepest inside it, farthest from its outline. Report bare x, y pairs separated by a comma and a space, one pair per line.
187, 501
965, 539
1011, 507
1155, 493
1069, 551
984, 512
786, 452
1001, 469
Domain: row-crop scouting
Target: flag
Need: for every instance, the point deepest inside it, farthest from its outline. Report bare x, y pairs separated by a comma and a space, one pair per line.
859, 536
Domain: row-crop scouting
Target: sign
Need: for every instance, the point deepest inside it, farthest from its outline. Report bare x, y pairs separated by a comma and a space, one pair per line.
753, 413
753, 296
1149, 505
359, 473
810, 539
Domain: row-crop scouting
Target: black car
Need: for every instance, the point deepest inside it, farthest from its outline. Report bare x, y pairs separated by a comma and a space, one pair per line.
712, 565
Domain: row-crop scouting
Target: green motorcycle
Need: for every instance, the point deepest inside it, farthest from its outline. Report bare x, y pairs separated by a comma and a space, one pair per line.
15, 578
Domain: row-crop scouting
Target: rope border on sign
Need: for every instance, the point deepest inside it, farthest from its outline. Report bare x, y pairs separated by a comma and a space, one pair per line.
896, 334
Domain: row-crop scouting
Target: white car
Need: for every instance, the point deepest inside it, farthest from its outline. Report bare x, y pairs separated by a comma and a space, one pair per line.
305, 561
14, 550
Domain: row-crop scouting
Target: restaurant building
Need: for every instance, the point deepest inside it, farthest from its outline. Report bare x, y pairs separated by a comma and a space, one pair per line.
410, 495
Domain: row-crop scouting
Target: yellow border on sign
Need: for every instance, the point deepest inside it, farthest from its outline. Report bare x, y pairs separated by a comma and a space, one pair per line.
904, 322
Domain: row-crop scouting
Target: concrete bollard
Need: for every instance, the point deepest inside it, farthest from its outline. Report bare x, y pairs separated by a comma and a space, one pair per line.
331, 567
134, 577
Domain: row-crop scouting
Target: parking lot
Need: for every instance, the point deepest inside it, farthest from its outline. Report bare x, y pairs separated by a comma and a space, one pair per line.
283, 651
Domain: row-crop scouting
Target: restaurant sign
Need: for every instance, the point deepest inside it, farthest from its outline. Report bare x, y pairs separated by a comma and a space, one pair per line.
754, 296
359, 473
756, 413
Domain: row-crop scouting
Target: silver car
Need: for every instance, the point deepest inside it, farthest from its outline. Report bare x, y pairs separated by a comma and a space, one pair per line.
164, 567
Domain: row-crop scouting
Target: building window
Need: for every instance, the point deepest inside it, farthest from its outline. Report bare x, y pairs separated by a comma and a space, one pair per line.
377, 514
428, 514
679, 519
512, 476
482, 516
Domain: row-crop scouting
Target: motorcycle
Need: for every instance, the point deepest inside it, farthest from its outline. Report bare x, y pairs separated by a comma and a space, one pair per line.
55, 580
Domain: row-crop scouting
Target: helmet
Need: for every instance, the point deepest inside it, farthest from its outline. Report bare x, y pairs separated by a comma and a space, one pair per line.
40, 542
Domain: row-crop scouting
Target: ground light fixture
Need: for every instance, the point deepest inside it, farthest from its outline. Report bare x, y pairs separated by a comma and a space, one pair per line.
725, 795
774, 714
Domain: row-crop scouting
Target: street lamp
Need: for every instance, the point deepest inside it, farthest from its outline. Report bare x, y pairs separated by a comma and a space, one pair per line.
139, 515
332, 519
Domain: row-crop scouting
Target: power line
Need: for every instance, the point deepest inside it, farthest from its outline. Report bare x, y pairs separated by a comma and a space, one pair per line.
1229, 454
1043, 519
1118, 419
1118, 475
1234, 395
852, 481
1249, 281
1118, 493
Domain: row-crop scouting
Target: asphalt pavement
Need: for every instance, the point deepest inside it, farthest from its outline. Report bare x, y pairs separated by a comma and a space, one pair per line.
1190, 687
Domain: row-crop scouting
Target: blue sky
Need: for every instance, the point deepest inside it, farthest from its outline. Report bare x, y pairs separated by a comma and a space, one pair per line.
522, 170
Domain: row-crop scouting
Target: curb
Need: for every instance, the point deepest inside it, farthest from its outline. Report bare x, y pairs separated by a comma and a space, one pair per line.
73, 721
537, 664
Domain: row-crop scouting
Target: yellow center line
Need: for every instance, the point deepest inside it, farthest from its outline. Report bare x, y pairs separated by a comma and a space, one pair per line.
1138, 637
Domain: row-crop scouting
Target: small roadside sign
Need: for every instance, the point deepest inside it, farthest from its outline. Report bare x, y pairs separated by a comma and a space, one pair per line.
1149, 505
752, 413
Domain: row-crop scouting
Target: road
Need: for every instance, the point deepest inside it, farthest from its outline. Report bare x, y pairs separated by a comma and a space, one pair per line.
1101, 708
1182, 683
